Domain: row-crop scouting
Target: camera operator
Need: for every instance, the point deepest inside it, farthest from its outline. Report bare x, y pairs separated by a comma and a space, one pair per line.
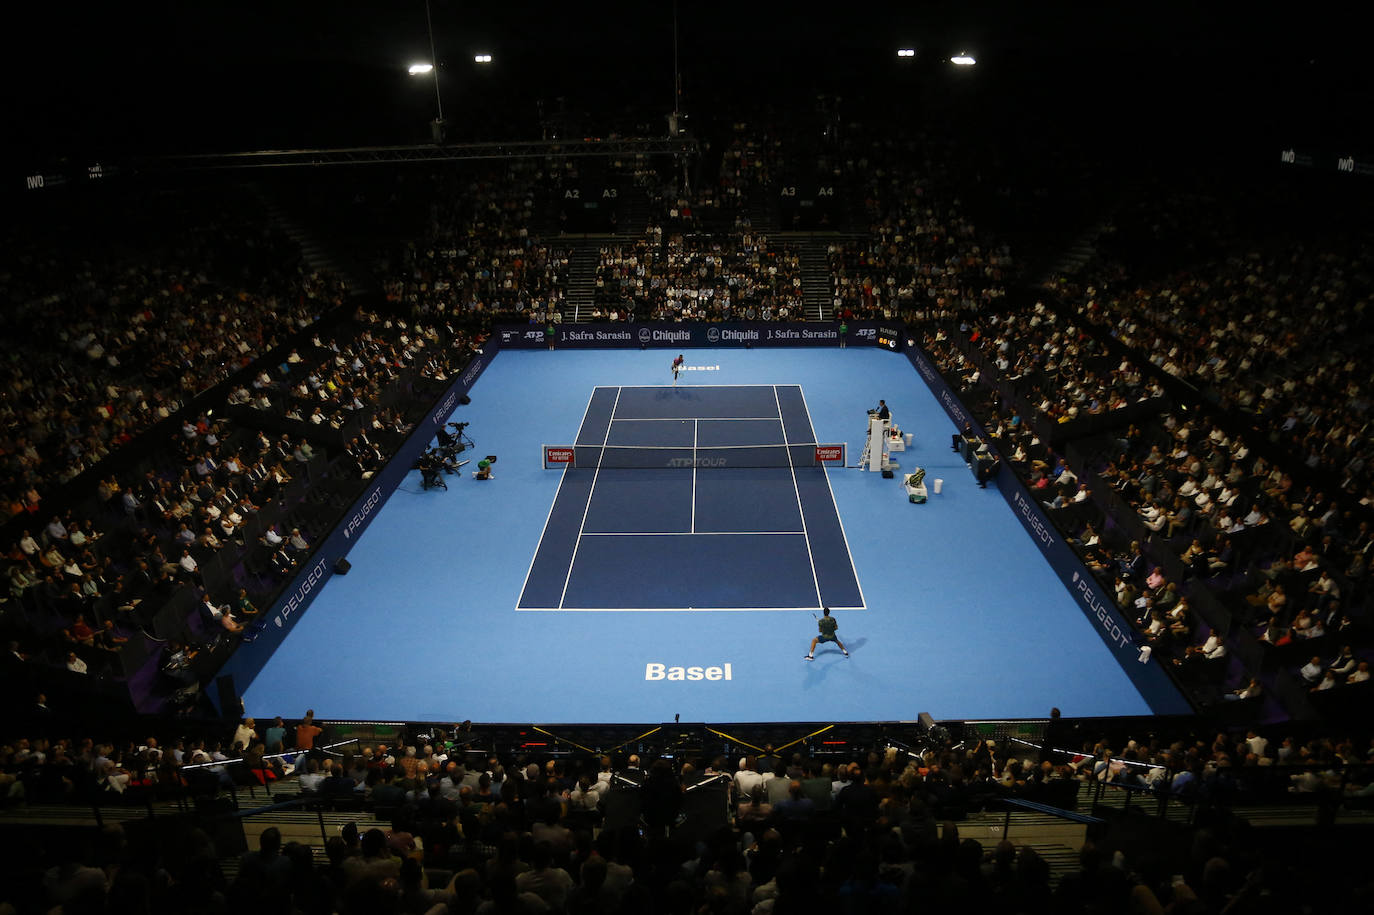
431, 465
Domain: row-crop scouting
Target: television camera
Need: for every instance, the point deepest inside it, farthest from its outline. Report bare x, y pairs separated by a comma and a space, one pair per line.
442, 458
452, 444
431, 471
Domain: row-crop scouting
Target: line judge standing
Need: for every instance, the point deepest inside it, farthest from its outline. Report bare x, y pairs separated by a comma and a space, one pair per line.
677, 367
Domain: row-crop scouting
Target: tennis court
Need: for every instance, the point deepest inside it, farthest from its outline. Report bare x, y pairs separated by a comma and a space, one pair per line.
693, 498
961, 617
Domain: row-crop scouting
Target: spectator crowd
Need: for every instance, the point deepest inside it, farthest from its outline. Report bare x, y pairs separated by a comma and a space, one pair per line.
459, 830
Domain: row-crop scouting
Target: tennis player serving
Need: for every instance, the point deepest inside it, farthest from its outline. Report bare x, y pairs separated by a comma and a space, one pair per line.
677, 367
827, 626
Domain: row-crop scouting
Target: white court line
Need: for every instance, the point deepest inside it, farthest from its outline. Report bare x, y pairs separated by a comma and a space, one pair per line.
590, 493
863, 601
714, 419
561, 480
694, 475
692, 533
801, 512
676, 609
557, 493
669, 387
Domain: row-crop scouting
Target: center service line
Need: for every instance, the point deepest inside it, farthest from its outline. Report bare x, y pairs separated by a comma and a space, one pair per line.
695, 427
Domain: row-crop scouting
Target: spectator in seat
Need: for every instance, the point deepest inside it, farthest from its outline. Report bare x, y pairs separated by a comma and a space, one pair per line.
220, 616
1251, 690
281, 562
1212, 649
747, 778
550, 883
187, 567
797, 807
243, 606
1322, 591
80, 632
337, 784
1344, 664
310, 780
1327, 681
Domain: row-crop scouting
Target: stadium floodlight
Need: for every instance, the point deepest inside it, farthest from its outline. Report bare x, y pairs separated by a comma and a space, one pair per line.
420, 69
906, 52
482, 59
963, 59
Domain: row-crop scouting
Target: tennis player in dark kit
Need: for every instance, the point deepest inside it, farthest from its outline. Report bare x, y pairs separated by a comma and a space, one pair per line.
827, 625
677, 366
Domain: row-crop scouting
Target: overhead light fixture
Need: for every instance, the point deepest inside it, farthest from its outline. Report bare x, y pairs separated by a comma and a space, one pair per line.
963, 59
482, 59
420, 69
906, 52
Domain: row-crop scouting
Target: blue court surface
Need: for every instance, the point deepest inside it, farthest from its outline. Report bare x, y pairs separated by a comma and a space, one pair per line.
682, 496
515, 599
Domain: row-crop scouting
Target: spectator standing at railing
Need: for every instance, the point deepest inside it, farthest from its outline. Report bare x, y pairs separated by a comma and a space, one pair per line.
306, 732
275, 736
245, 734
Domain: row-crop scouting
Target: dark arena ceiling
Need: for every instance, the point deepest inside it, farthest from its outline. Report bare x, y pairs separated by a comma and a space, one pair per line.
163, 77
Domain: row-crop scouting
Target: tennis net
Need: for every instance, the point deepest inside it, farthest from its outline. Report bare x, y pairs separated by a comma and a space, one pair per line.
625, 457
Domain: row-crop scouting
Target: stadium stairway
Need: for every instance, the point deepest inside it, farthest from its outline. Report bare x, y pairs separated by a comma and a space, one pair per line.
301, 826
1078, 254
581, 292
761, 207
635, 216
316, 254
1055, 840
817, 284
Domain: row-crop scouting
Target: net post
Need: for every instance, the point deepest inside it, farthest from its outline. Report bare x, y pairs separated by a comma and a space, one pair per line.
558, 456
831, 453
